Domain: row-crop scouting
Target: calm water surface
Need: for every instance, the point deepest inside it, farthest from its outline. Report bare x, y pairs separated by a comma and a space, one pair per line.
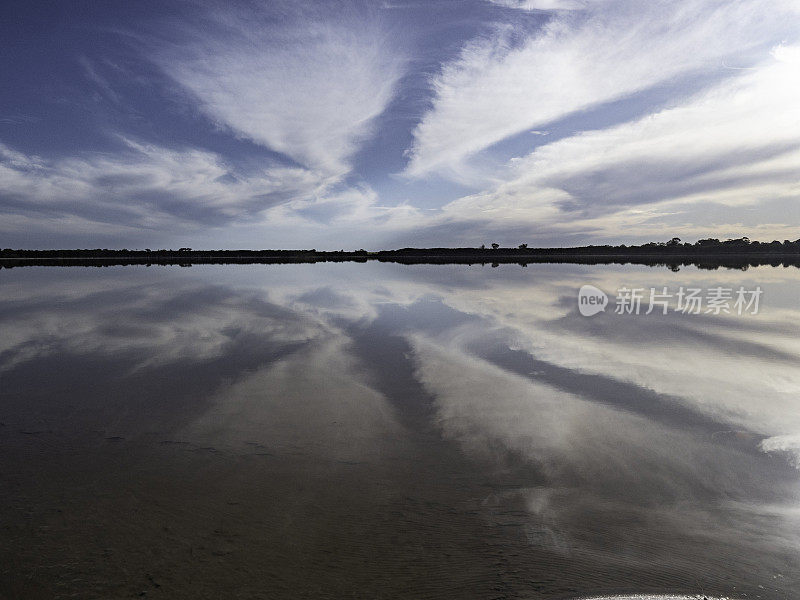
389, 431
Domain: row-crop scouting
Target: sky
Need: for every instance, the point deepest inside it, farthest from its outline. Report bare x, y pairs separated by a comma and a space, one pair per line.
368, 124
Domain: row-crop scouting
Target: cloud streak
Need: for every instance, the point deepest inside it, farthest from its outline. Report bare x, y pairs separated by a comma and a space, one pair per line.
736, 145
499, 87
310, 90
541, 4
740, 131
145, 186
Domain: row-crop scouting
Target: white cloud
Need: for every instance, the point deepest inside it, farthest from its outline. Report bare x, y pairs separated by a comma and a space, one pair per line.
541, 4
582, 59
784, 443
735, 145
720, 163
310, 90
147, 193
145, 186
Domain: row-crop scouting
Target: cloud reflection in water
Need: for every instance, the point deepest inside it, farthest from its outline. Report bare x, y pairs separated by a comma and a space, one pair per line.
615, 450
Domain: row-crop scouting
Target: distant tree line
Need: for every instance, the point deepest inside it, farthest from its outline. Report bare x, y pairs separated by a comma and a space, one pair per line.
706, 253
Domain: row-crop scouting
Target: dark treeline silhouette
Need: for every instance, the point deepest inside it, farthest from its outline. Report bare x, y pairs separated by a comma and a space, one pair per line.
710, 253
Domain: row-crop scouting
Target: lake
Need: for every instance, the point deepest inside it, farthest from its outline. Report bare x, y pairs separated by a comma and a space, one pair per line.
398, 431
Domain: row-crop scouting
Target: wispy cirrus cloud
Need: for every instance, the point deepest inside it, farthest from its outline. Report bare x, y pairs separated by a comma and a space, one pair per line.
736, 146
308, 86
148, 193
145, 186
499, 86
304, 83
281, 123
541, 4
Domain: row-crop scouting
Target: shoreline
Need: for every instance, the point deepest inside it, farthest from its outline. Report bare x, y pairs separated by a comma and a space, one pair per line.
666, 257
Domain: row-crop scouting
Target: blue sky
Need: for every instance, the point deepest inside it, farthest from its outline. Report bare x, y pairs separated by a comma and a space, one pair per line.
349, 124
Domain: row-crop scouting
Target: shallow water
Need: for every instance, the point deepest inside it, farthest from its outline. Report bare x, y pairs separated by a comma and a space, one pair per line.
380, 431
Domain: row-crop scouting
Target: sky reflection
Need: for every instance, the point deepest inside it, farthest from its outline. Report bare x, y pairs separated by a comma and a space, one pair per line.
624, 453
